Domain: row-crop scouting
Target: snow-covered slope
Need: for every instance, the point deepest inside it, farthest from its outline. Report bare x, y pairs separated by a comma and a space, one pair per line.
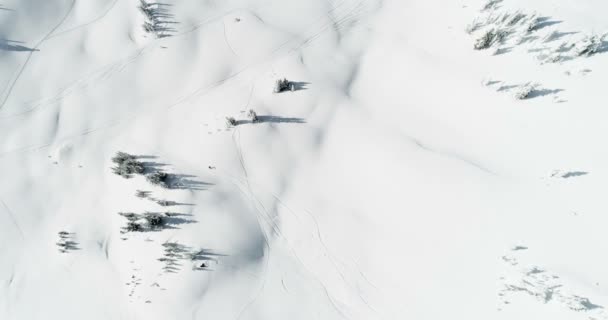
407, 175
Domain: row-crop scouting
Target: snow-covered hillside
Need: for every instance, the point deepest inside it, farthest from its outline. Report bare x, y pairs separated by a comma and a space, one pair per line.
428, 160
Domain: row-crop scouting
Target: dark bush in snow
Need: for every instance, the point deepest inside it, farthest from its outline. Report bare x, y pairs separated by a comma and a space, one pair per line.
129, 167
159, 178
133, 223
133, 227
121, 157
143, 222
154, 220
126, 165
231, 122
252, 116
283, 85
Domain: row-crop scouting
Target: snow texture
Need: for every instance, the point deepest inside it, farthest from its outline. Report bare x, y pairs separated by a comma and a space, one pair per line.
399, 173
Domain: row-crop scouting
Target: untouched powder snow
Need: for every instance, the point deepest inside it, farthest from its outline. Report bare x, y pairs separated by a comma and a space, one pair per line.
403, 174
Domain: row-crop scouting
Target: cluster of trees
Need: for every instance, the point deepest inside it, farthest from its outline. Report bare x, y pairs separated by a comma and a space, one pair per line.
154, 15
251, 115
148, 221
283, 85
591, 45
66, 243
127, 165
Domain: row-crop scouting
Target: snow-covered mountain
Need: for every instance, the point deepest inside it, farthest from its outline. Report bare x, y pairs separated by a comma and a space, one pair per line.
425, 159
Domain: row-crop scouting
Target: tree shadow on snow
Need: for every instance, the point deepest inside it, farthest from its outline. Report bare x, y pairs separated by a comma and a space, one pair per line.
10, 45
543, 92
507, 88
186, 182
138, 157
574, 174
175, 252
556, 35
66, 242
543, 22
272, 119
171, 203
206, 254
527, 39
603, 47
202, 257
69, 246
299, 85
174, 181
501, 51
277, 119
150, 166
176, 219
170, 221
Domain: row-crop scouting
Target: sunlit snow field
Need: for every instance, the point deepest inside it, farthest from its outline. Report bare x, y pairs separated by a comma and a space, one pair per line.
429, 160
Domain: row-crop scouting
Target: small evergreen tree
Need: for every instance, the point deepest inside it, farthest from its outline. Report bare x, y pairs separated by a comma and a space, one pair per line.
154, 220
133, 227
126, 165
281, 85
590, 45
252, 116
525, 91
231, 122
486, 40
164, 203
159, 178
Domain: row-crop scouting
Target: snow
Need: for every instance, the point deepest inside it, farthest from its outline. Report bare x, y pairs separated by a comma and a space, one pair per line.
401, 179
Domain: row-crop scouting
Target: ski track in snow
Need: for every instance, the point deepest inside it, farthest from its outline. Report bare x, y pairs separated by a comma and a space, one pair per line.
264, 214
12, 217
226, 40
398, 217
7, 93
276, 228
84, 25
195, 94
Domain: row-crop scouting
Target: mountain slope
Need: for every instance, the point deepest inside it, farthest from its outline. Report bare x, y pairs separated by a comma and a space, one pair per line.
407, 175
